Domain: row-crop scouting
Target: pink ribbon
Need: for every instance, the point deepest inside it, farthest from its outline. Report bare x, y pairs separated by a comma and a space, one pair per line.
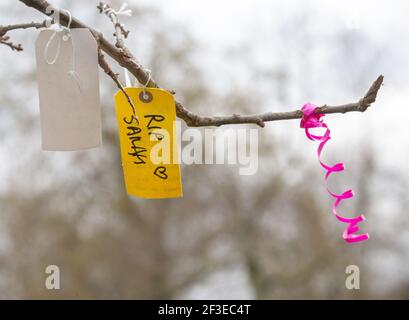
314, 120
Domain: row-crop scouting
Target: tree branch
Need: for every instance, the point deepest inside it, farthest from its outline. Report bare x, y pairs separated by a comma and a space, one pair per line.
4, 39
36, 25
361, 105
114, 76
120, 32
125, 59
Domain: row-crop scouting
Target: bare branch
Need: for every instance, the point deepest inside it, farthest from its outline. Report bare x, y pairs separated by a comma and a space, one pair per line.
119, 34
10, 27
4, 39
361, 105
194, 120
120, 31
114, 76
125, 59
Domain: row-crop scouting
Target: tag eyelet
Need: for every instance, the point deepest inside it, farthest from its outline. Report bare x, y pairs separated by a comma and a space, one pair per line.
145, 96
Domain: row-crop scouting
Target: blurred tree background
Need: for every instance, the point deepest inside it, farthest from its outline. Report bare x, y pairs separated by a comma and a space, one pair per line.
267, 236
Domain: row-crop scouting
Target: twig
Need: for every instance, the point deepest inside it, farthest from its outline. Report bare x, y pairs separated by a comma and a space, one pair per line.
120, 31
194, 120
361, 105
114, 76
119, 34
4, 39
125, 59
36, 25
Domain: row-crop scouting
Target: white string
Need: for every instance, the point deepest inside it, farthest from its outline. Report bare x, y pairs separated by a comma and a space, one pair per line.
121, 12
65, 37
47, 46
147, 82
127, 78
149, 77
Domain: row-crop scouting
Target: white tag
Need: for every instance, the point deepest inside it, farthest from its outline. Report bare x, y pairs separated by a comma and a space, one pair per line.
68, 81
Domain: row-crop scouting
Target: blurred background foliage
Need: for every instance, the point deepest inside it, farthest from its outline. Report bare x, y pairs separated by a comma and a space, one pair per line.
267, 236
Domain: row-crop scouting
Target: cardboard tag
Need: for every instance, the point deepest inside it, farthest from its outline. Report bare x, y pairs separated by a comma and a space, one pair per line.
150, 155
68, 90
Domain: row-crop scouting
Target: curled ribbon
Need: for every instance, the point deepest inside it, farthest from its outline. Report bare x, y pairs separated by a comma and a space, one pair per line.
310, 120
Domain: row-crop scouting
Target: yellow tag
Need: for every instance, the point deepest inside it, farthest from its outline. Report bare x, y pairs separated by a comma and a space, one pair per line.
150, 155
